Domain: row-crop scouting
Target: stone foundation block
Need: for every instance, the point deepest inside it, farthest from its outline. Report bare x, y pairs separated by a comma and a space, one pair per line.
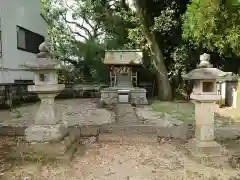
204, 148
62, 150
179, 132
137, 96
208, 152
45, 133
89, 131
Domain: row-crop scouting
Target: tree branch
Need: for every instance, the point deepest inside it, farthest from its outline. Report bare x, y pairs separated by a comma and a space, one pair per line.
87, 21
67, 5
78, 25
95, 30
79, 34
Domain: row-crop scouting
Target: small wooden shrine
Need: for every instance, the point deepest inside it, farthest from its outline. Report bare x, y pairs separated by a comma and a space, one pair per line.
123, 66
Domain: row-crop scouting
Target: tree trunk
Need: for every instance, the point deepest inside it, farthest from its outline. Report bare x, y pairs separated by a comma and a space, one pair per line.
164, 87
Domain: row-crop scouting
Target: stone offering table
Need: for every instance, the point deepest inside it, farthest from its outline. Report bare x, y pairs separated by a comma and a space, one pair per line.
204, 96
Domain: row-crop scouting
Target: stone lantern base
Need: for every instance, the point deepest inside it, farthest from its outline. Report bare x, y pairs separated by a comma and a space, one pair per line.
47, 125
204, 148
209, 153
49, 136
57, 149
46, 133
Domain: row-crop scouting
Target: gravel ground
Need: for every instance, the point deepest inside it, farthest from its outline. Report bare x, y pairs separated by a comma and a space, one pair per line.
73, 111
5, 144
109, 161
123, 162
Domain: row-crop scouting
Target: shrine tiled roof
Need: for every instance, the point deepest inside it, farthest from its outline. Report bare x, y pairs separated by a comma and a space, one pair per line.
123, 57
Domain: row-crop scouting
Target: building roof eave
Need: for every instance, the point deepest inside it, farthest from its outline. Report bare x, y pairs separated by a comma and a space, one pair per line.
44, 18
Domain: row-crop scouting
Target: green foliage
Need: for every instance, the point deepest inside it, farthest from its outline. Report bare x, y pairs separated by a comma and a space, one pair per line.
161, 18
180, 56
213, 25
69, 75
166, 21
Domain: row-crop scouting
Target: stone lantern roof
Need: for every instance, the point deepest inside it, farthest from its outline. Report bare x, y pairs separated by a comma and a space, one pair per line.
205, 71
42, 64
44, 60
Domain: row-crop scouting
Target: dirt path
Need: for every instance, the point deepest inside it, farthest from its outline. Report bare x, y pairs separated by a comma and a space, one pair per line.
123, 162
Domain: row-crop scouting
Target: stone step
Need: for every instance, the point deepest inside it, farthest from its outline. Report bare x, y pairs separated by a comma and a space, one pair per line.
128, 128
128, 138
125, 113
69, 154
71, 143
2, 160
86, 131
9, 130
180, 132
170, 132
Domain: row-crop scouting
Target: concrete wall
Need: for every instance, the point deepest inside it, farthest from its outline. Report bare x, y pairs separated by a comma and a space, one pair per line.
231, 93
12, 94
25, 13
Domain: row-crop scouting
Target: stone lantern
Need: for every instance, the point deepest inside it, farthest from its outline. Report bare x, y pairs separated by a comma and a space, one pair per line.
47, 125
204, 96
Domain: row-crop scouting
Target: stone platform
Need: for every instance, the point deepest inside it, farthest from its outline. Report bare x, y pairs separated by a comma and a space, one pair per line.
129, 128
75, 112
84, 115
62, 150
137, 95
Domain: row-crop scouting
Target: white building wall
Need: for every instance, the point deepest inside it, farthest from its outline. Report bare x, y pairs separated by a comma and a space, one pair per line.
223, 92
24, 13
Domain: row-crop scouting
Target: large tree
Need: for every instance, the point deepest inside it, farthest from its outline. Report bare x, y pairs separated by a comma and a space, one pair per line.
96, 25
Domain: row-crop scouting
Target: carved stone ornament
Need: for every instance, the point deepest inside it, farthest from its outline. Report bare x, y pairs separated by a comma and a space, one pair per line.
44, 50
204, 61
